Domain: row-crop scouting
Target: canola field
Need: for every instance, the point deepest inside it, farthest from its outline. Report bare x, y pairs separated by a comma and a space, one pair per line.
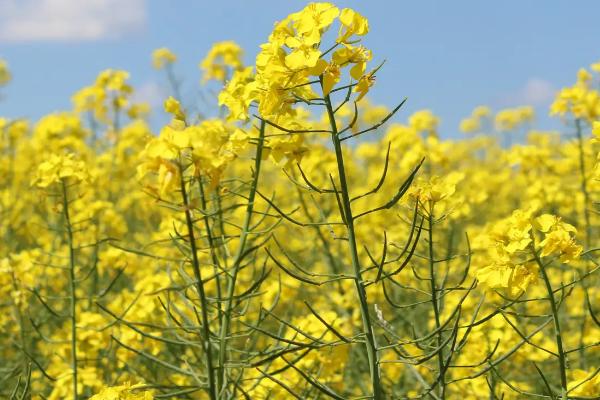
304, 243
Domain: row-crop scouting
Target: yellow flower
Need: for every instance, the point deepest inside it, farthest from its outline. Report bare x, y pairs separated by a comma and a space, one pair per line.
481, 112
139, 110
558, 239
363, 85
583, 383
5, 75
163, 57
222, 58
436, 188
331, 76
596, 131
514, 232
126, 391
469, 125
61, 168
583, 76
238, 94
110, 93
502, 274
579, 100
302, 57
505, 264
424, 121
352, 24
313, 20
359, 56
511, 118
114, 80
173, 107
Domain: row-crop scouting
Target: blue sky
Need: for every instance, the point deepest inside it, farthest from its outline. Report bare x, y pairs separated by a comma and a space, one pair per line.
448, 56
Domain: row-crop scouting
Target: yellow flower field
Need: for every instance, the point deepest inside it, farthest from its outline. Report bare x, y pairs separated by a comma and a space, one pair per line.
299, 245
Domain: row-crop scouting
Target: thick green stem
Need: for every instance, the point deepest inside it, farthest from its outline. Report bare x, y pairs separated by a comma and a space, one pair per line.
72, 294
200, 288
368, 331
435, 306
226, 321
562, 359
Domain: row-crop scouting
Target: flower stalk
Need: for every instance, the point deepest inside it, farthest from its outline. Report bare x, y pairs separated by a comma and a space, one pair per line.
72, 286
227, 314
346, 211
562, 359
212, 390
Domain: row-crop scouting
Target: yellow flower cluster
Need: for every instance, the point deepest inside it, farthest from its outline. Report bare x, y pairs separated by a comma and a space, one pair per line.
60, 169
558, 238
581, 101
124, 392
209, 146
474, 123
424, 121
511, 118
163, 57
292, 57
5, 75
223, 59
510, 243
107, 97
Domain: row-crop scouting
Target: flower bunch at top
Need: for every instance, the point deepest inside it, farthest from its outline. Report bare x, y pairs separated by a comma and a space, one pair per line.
163, 57
222, 59
581, 100
511, 118
436, 188
559, 238
510, 241
210, 146
424, 121
473, 123
60, 168
292, 61
110, 92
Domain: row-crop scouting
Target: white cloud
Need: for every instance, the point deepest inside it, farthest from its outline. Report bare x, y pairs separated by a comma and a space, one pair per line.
69, 20
536, 92
151, 93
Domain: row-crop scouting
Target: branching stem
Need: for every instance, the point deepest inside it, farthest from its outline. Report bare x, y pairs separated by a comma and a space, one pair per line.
346, 212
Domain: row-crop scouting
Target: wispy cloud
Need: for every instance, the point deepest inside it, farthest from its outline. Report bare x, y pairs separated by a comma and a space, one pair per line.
536, 92
151, 93
69, 20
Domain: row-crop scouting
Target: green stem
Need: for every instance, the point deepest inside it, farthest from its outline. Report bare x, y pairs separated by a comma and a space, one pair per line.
435, 305
368, 331
220, 225
17, 308
200, 288
211, 245
226, 321
562, 359
173, 82
72, 294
